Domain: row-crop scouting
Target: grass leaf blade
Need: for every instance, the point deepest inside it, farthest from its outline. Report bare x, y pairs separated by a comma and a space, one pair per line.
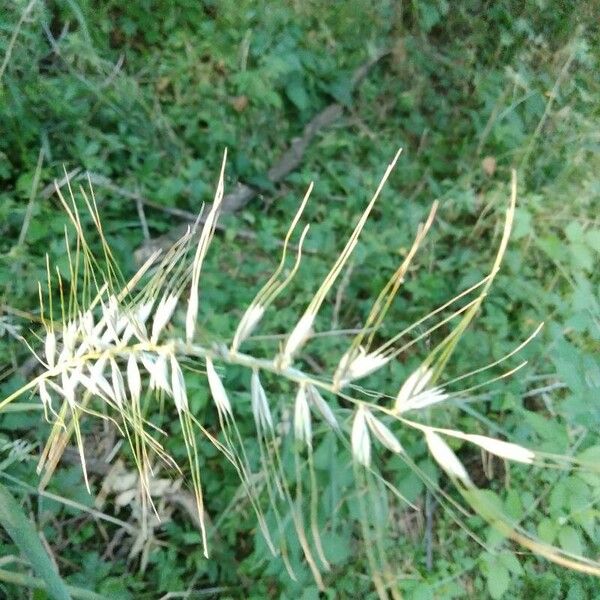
24, 535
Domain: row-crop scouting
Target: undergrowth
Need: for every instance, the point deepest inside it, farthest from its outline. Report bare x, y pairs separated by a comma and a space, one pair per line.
142, 104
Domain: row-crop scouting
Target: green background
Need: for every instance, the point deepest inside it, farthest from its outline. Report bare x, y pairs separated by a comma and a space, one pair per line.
149, 94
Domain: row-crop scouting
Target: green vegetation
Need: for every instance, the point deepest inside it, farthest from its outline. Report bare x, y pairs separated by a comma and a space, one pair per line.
145, 97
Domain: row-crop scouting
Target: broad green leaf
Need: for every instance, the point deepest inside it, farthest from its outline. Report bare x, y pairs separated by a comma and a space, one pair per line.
523, 224
337, 548
574, 232
558, 498
546, 529
570, 540
296, 92
587, 520
581, 256
498, 579
513, 504
590, 455
579, 494
510, 561
592, 238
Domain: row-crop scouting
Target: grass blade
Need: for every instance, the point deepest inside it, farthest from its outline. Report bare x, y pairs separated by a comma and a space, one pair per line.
24, 535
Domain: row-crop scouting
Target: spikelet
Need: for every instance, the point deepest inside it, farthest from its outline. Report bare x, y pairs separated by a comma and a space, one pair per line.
414, 384
162, 316
353, 366
157, 368
297, 338
361, 443
382, 433
201, 250
446, 458
321, 406
217, 389
302, 424
134, 380
260, 406
247, 324
44, 395
118, 385
178, 386
96, 371
506, 450
50, 348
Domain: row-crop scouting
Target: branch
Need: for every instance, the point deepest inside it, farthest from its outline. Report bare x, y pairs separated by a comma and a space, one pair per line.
288, 162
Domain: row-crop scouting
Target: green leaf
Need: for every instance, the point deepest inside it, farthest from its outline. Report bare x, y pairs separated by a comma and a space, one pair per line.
523, 224
429, 16
558, 498
510, 561
498, 580
574, 232
570, 540
341, 90
579, 494
24, 535
590, 455
296, 92
587, 520
581, 256
310, 593
547, 530
592, 238
337, 547
590, 458
513, 504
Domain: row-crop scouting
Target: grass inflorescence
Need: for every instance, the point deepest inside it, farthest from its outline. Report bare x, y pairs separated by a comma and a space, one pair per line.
113, 346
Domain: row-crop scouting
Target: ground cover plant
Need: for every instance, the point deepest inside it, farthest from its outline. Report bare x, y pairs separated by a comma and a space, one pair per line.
143, 103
